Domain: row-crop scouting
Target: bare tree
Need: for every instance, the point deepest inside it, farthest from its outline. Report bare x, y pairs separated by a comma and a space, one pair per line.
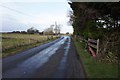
57, 28
49, 30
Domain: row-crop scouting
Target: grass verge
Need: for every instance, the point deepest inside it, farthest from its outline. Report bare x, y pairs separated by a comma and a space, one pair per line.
93, 68
17, 50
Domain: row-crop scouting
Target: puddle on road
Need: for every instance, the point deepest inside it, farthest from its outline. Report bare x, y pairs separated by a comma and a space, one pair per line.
35, 62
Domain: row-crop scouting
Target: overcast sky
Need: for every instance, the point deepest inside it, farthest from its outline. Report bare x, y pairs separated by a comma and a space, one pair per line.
23, 14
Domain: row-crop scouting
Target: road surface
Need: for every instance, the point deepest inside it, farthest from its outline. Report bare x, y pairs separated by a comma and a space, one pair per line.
57, 59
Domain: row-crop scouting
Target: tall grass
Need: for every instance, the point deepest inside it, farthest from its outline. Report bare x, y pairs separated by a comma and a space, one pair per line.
13, 43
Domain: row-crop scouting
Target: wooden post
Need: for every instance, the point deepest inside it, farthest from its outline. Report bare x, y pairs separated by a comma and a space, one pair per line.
97, 46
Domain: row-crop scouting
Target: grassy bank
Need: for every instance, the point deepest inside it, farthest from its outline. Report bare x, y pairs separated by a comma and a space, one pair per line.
16, 43
95, 69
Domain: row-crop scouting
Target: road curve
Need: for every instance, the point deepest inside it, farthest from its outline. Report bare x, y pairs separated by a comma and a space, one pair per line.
57, 59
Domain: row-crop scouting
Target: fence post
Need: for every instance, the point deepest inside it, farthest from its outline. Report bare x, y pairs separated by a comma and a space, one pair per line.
93, 44
97, 46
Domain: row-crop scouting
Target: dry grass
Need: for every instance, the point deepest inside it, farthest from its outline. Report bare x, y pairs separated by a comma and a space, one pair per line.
14, 43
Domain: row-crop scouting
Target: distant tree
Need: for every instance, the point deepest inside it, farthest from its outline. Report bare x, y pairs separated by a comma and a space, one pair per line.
23, 32
67, 32
16, 32
49, 31
13, 31
32, 30
41, 33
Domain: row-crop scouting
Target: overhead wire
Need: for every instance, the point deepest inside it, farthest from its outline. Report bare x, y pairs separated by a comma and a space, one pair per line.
16, 10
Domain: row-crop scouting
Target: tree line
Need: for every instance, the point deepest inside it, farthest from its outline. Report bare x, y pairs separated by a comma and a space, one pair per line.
52, 30
98, 21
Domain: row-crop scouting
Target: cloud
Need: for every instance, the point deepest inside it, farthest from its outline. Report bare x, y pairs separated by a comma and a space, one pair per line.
47, 19
9, 23
43, 15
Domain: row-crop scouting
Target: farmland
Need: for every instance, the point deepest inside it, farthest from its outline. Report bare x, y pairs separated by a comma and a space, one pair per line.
14, 43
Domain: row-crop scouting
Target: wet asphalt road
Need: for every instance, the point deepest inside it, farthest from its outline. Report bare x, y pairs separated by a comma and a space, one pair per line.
57, 59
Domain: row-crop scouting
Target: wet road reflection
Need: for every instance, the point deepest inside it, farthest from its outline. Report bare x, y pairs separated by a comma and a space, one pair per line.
27, 67
60, 73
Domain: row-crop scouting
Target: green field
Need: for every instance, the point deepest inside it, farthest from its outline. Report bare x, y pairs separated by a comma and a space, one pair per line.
14, 43
93, 68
